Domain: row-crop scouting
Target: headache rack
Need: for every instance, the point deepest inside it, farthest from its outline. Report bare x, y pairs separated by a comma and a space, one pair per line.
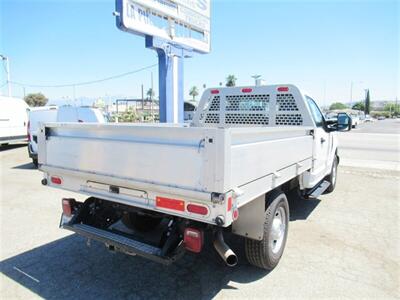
256, 106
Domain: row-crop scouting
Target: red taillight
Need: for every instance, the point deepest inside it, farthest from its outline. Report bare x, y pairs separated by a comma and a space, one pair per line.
28, 130
56, 180
170, 203
229, 204
214, 92
235, 214
68, 206
283, 89
193, 239
247, 90
197, 209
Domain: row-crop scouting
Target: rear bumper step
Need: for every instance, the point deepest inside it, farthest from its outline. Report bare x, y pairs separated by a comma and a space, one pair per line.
125, 244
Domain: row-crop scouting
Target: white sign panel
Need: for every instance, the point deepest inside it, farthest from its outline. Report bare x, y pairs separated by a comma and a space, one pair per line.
185, 22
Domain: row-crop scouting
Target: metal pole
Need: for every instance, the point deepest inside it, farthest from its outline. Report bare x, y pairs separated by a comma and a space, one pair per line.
151, 104
170, 72
351, 94
142, 98
8, 76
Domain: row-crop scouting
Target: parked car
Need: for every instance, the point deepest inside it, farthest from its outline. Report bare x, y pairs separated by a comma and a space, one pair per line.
13, 120
355, 120
189, 107
155, 189
49, 114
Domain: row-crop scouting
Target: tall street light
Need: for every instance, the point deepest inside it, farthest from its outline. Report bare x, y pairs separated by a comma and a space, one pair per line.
7, 60
351, 91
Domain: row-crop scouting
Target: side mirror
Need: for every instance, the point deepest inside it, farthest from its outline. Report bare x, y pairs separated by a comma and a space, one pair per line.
343, 122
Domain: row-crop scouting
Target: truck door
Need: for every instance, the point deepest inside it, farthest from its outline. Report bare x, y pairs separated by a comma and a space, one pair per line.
321, 141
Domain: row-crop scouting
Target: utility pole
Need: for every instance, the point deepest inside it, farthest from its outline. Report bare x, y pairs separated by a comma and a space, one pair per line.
151, 98
351, 94
142, 99
7, 60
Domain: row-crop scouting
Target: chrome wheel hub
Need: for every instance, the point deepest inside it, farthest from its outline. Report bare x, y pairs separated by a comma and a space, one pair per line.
278, 230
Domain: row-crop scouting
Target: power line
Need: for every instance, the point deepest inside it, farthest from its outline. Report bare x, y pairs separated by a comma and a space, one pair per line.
85, 82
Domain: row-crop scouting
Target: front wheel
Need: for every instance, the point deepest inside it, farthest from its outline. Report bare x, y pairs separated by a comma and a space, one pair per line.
266, 253
35, 162
332, 177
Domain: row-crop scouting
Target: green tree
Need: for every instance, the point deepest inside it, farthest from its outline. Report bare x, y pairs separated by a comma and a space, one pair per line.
337, 105
367, 104
231, 80
194, 92
359, 106
129, 116
392, 108
36, 99
150, 93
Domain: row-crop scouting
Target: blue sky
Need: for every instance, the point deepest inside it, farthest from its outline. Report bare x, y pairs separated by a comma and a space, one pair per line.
322, 46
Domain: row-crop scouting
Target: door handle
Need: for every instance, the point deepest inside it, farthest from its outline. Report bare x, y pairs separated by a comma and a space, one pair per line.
323, 140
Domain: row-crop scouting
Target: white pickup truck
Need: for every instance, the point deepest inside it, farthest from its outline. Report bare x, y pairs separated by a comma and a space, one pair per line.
154, 190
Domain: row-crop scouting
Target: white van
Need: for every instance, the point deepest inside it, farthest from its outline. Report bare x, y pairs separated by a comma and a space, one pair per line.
51, 114
13, 120
44, 114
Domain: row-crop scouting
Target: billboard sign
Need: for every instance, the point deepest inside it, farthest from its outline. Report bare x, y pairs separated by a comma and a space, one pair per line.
182, 22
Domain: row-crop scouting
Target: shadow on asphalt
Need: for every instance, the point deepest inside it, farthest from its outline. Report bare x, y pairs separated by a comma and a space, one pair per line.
27, 166
11, 146
67, 268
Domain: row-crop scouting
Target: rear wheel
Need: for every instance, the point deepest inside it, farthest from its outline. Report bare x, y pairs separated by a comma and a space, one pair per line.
267, 252
332, 177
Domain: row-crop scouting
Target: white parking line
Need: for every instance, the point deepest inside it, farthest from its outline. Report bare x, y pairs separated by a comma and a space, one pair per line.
26, 274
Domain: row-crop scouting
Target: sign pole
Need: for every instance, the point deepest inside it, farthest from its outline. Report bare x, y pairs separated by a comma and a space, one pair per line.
170, 78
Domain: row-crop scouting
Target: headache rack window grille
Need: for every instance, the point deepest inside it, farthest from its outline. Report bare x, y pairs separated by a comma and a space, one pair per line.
232, 107
210, 114
286, 102
289, 119
245, 110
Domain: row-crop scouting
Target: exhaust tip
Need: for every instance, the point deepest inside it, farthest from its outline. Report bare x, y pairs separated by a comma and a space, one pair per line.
224, 250
231, 260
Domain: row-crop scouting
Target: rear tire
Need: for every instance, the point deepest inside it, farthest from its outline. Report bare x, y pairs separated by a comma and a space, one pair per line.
332, 177
266, 253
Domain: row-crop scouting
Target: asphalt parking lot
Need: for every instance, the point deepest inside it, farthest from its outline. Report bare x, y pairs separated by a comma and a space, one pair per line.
343, 245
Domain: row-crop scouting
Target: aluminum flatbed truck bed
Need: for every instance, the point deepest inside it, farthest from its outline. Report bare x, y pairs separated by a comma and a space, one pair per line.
213, 174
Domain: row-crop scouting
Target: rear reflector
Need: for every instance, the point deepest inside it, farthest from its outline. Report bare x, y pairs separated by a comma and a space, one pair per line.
56, 180
214, 92
229, 204
197, 209
247, 90
193, 239
170, 203
283, 89
67, 206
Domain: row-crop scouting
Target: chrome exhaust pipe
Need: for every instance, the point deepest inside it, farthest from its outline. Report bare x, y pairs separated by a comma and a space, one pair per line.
224, 251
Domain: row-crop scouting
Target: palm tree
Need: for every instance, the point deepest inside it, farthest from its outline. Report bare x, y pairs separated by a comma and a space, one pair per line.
231, 80
194, 92
150, 93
